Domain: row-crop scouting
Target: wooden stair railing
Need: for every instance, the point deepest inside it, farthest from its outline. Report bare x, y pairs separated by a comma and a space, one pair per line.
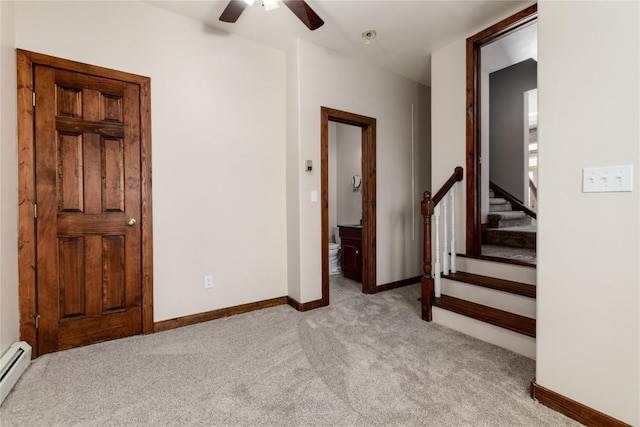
427, 207
517, 204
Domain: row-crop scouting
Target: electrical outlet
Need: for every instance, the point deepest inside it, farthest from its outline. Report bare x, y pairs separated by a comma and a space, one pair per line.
208, 282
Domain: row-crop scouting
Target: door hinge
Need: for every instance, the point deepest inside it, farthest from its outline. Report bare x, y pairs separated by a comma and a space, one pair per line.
36, 316
35, 211
33, 98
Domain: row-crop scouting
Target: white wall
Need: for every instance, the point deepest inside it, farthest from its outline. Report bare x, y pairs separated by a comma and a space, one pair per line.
294, 165
349, 163
485, 152
325, 78
333, 179
588, 278
588, 263
345, 161
9, 321
218, 131
448, 134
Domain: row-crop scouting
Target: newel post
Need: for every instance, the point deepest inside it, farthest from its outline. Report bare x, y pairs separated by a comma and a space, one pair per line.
428, 295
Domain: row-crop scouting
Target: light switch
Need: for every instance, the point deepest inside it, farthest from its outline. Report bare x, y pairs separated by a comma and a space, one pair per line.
608, 178
314, 196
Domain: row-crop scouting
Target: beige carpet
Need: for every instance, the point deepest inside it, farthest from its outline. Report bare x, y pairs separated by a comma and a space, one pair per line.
367, 360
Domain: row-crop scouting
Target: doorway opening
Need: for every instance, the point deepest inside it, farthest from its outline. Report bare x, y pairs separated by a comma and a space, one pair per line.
501, 68
364, 255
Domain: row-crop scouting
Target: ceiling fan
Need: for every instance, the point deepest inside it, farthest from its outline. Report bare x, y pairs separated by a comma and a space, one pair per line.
300, 8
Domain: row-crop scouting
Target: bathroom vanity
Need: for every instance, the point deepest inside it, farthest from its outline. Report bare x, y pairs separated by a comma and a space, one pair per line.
351, 246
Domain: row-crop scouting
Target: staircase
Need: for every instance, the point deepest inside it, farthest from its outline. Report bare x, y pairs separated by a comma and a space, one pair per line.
506, 227
485, 297
496, 303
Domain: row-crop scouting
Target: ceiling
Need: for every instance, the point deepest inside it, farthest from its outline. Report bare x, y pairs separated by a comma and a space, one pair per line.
408, 31
512, 49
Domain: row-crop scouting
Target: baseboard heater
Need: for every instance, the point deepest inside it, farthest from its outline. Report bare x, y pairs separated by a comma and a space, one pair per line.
12, 364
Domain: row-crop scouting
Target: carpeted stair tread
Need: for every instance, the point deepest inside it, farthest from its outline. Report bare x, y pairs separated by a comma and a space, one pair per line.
523, 228
499, 207
513, 322
515, 237
503, 219
497, 201
510, 214
493, 283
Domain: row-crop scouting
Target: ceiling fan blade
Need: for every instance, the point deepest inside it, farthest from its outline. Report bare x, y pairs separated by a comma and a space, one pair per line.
233, 11
304, 12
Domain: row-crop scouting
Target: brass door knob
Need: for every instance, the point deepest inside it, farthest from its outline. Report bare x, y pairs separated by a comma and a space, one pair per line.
131, 222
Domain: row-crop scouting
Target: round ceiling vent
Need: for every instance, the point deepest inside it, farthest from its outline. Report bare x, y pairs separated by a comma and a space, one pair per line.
368, 35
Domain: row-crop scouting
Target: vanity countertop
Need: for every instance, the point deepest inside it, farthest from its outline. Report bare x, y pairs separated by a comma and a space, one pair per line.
350, 226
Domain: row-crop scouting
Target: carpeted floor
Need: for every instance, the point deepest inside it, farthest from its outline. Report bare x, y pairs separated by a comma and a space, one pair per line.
366, 360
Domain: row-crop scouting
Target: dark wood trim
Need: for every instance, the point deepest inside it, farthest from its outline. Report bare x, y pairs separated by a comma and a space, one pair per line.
179, 322
368, 126
474, 214
503, 285
26, 203
572, 409
504, 319
519, 206
79, 67
398, 284
306, 306
146, 207
382, 288
26, 185
498, 259
474, 191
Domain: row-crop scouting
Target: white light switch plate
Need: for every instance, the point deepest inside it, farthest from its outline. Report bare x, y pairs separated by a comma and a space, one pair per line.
314, 196
608, 178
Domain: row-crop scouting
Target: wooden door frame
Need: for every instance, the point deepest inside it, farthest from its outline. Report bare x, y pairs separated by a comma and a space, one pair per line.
27, 261
473, 152
368, 126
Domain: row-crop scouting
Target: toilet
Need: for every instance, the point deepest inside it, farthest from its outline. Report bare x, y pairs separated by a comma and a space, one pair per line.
334, 254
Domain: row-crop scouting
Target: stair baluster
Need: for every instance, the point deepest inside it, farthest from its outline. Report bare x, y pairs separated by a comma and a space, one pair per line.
430, 207
452, 195
445, 240
436, 264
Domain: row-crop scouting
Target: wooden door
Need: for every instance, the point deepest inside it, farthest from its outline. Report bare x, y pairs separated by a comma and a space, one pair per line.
88, 197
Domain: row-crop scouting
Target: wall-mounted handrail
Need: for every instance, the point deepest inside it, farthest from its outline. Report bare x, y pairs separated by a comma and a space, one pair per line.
501, 192
428, 208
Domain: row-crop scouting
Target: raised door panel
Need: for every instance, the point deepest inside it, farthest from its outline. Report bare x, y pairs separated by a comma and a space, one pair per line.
87, 184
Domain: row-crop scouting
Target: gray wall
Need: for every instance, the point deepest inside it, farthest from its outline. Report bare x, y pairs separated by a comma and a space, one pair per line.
507, 124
